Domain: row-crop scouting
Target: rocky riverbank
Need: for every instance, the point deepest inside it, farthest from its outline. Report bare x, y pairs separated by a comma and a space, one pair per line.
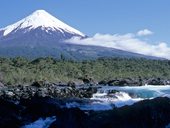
75, 90
44, 89
153, 113
136, 81
139, 81
54, 104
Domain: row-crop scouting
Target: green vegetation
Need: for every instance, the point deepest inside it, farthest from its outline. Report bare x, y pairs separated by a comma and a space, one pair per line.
20, 70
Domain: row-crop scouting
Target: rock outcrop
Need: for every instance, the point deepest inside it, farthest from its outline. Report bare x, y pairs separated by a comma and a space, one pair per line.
153, 113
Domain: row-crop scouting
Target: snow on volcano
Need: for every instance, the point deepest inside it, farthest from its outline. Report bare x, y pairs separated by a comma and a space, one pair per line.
40, 19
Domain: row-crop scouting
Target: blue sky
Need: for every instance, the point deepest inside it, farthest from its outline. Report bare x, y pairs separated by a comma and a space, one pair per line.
98, 16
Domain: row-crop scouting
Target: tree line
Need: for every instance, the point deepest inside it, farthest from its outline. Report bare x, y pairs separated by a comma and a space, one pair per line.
22, 71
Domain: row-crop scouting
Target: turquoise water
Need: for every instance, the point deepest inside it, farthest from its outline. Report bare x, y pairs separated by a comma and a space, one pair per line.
109, 97
149, 91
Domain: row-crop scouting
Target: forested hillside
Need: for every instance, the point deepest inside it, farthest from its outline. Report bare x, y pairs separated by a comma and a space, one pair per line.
21, 71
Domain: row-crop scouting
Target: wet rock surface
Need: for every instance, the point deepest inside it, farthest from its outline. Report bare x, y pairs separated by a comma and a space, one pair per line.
145, 114
23, 104
136, 81
153, 113
47, 90
70, 89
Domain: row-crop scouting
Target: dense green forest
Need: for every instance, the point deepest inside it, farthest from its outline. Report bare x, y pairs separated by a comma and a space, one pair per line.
21, 70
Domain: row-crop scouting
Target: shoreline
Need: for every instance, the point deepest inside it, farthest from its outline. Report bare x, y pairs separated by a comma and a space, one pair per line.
58, 90
147, 113
22, 106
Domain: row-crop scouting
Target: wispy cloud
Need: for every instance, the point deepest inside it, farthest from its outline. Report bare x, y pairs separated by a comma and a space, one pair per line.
128, 42
144, 32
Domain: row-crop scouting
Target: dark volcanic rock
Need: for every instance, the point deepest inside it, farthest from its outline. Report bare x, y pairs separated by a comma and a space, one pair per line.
38, 84
90, 91
70, 118
156, 81
42, 92
125, 82
47, 90
1, 85
88, 80
48, 107
153, 113
137, 81
9, 114
71, 84
103, 82
145, 114
39, 107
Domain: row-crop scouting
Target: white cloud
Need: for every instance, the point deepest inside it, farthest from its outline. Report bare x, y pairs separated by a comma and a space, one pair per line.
127, 42
144, 32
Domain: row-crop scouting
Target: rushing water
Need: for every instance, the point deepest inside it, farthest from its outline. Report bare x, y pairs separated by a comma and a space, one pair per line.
109, 97
41, 123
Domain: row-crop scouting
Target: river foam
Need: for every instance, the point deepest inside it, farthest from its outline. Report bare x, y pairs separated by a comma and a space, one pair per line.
109, 97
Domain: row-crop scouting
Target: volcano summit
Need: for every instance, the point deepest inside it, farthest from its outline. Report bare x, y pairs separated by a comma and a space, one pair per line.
41, 34
38, 26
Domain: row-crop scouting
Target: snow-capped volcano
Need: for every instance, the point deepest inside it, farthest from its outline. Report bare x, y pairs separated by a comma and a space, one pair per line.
40, 35
41, 18
37, 21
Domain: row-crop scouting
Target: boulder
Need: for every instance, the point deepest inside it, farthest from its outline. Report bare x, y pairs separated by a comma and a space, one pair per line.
156, 81
153, 113
9, 114
38, 84
89, 92
125, 82
42, 92
103, 82
71, 84
88, 80
2, 85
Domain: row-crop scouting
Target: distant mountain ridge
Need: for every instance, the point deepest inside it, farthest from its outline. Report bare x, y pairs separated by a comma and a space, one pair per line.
40, 35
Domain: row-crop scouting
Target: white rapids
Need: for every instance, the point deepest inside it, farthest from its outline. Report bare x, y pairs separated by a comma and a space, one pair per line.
109, 97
